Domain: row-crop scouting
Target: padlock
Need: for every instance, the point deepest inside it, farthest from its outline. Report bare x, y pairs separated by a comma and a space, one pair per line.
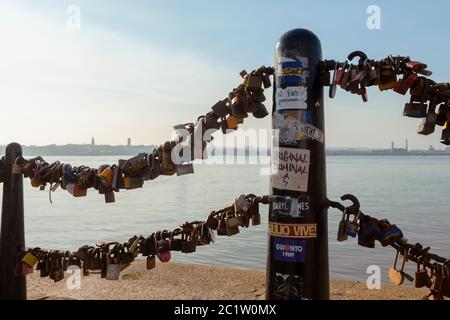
415, 110
30, 259
17, 166
168, 168
342, 236
421, 278
106, 176
442, 115
133, 182
254, 213
24, 269
156, 165
386, 77
388, 233
56, 271
112, 267
340, 74
109, 196
368, 232
266, 81
445, 137
221, 227
325, 78
241, 205
428, 124
238, 103
187, 245
253, 82
351, 227
184, 169
259, 110
417, 89
212, 222
232, 122
78, 190
175, 244
221, 109
397, 276
404, 85
232, 225
151, 262
212, 121
134, 165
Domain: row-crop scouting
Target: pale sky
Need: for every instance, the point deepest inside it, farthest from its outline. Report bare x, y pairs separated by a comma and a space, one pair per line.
136, 68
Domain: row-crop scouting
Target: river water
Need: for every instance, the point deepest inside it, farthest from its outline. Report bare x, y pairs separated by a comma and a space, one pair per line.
412, 192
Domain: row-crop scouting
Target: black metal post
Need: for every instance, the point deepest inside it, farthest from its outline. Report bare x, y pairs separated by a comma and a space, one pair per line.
297, 263
12, 237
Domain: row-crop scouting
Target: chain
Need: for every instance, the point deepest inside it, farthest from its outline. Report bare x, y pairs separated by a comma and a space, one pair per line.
167, 159
400, 74
368, 229
112, 257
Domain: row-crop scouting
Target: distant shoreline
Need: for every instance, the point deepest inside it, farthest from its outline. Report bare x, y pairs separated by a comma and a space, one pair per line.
131, 150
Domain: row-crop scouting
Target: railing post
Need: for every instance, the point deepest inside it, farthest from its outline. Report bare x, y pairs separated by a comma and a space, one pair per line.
12, 237
297, 262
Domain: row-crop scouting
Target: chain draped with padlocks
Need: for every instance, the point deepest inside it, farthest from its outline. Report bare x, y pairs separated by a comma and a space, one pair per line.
432, 271
111, 258
400, 74
129, 174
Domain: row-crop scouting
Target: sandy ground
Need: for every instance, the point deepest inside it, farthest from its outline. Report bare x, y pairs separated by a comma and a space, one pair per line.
172, 281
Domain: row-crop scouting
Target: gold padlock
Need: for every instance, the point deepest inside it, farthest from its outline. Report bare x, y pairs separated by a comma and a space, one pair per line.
133, 182
30, 259
232, 122
397, 276
35, 182
106, 176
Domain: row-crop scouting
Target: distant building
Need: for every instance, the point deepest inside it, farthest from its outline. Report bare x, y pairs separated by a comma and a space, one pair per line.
92, 141
129, 142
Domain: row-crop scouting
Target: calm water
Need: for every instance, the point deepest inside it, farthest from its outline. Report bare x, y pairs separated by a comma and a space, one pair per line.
412, 192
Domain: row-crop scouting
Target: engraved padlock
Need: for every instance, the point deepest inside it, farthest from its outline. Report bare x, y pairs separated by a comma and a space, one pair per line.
341, 235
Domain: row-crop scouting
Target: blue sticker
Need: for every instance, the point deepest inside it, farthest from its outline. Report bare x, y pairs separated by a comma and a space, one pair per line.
291, 73
289, 250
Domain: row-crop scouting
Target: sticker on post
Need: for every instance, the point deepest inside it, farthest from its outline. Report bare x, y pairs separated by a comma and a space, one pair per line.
299, 231
290, 169
288, 250
291, 98
291, 84
291, 207
295, 126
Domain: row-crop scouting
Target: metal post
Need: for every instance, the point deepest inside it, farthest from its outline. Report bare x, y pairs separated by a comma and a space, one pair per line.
297, 262
12, 237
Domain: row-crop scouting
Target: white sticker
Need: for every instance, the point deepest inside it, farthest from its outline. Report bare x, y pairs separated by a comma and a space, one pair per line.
290, 169
291, 98
294, 127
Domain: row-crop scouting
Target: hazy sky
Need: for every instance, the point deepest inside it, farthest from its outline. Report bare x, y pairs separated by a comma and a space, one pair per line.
136, 68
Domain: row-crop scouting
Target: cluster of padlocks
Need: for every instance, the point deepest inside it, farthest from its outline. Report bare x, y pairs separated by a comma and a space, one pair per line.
128, 174
432, 270
400, 74
113, 257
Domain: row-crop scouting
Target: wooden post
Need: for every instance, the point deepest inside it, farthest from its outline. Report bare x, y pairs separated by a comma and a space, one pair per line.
12, 236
